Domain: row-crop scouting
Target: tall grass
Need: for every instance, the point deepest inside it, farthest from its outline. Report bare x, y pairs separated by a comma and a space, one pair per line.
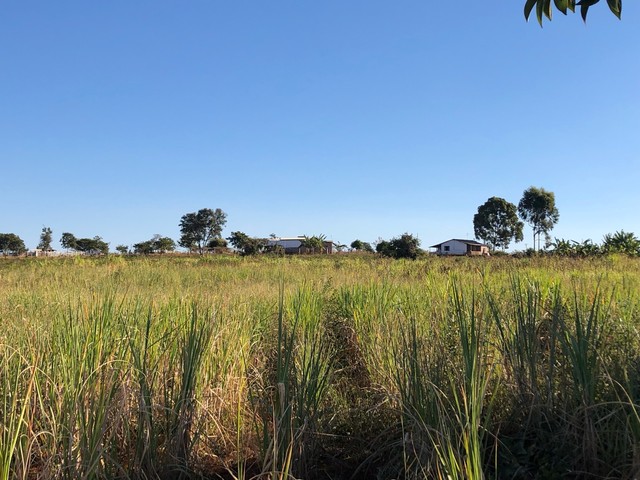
18, 382
319, 367
294, 388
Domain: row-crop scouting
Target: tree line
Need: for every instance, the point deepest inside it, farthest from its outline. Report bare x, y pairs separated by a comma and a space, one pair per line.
497, 222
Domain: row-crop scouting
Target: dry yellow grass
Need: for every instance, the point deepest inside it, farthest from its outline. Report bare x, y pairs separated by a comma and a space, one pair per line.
319, 366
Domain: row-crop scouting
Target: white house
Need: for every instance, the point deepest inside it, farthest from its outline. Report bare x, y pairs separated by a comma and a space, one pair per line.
457, 246
38, 252
293, 245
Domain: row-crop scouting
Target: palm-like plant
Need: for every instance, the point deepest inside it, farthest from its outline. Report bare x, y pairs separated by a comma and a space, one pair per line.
563, 247
313, 244
621, 242
587, 248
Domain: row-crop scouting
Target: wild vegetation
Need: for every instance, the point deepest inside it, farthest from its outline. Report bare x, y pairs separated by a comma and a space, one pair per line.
319, 367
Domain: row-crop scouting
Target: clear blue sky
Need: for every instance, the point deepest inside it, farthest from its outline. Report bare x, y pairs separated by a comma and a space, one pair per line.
358, 119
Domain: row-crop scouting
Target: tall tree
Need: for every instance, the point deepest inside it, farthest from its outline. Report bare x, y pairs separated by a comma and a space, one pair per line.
68, 241
497, 224
11, 244
538, 208
46, 237
199, 228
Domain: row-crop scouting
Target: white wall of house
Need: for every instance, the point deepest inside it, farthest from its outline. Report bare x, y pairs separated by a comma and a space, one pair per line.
286, 242
455, 248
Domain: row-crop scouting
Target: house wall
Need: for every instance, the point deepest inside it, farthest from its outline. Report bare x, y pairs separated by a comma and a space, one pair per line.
455, 248
292, 245
286, 244
484, 250
328, 247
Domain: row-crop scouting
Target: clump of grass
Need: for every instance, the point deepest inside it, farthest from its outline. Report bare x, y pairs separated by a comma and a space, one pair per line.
581, 341
289, 422
181, 386
82, 389
17, 379
465, 415
419, 374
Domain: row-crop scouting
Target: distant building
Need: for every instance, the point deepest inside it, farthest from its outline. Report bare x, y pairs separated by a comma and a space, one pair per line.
457, 246
293, 245
38, 252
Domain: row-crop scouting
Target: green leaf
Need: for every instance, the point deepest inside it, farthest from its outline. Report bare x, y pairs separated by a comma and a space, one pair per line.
584, 7
616, 7
528, 7
539, 8
562, 5
547, 9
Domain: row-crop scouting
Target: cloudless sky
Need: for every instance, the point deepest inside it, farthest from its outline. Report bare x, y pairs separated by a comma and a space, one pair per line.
353, 119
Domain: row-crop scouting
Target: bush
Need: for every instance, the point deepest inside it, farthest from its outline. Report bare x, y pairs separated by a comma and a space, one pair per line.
405, 246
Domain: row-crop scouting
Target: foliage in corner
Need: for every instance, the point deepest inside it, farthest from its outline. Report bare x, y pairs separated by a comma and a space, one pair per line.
544, 8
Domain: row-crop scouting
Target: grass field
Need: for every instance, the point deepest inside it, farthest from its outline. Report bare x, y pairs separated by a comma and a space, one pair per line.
329, 367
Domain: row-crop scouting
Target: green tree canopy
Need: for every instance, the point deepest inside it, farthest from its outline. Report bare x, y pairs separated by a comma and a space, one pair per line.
11, 244
143, 248
90, 246
158, 244
361, 246
497, 224
544, 8
68, 241
199, 228
538, 208
122, 249
217, 242
404, 246
46, 237
163, 244
247, 245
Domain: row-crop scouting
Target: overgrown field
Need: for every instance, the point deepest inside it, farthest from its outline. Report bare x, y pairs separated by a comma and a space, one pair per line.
329, 367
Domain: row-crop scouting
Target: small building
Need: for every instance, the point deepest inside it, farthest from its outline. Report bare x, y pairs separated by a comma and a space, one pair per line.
293, 245
39, 252
457, 246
